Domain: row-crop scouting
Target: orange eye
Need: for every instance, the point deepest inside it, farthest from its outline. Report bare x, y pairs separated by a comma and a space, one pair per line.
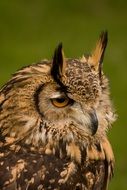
60, 102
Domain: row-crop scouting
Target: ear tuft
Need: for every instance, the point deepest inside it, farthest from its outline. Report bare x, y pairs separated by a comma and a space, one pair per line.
103, 44
58, 64
97, 56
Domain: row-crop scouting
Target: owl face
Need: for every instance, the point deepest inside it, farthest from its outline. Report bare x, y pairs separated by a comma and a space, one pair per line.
63, 98
59, 108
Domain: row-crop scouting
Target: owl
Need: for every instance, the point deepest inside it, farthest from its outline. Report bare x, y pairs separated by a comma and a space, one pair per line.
54, 118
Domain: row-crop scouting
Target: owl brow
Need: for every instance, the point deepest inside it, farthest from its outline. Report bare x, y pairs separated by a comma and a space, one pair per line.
62, 89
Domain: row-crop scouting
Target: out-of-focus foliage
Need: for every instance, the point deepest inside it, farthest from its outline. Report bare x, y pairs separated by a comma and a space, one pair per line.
30, 30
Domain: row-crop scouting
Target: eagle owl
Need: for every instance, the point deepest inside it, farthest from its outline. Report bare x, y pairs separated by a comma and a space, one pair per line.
54, 116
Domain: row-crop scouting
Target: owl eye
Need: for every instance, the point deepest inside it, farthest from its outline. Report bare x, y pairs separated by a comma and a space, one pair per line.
60, 102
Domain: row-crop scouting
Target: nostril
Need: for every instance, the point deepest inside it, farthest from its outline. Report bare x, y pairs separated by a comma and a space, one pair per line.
94, 122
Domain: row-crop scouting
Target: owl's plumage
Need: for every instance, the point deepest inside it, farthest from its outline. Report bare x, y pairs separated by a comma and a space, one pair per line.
54, 116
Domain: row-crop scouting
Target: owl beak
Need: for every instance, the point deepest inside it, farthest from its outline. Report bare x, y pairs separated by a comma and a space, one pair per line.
94, 122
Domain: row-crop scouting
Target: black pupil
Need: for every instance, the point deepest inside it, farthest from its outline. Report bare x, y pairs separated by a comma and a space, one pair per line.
60, 100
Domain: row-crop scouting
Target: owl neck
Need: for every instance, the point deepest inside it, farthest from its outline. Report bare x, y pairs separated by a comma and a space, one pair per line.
68, 141
64, 142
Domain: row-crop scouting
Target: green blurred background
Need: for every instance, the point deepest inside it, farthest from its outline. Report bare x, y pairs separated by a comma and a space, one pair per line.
30, 30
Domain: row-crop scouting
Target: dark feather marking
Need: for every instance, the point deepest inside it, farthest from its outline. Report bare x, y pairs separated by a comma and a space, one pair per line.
98, 147
57, 64
42, 125
104, 41
36, 98
4, 118
2, 138
94, 122
106, 176
1, 104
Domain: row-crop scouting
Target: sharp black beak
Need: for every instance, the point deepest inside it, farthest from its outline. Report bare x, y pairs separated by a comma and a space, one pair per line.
94, 122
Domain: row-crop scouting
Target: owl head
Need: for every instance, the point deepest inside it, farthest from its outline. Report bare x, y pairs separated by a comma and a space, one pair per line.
63, 98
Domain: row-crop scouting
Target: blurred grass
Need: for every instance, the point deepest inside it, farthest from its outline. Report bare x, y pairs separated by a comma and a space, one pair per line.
30, 30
